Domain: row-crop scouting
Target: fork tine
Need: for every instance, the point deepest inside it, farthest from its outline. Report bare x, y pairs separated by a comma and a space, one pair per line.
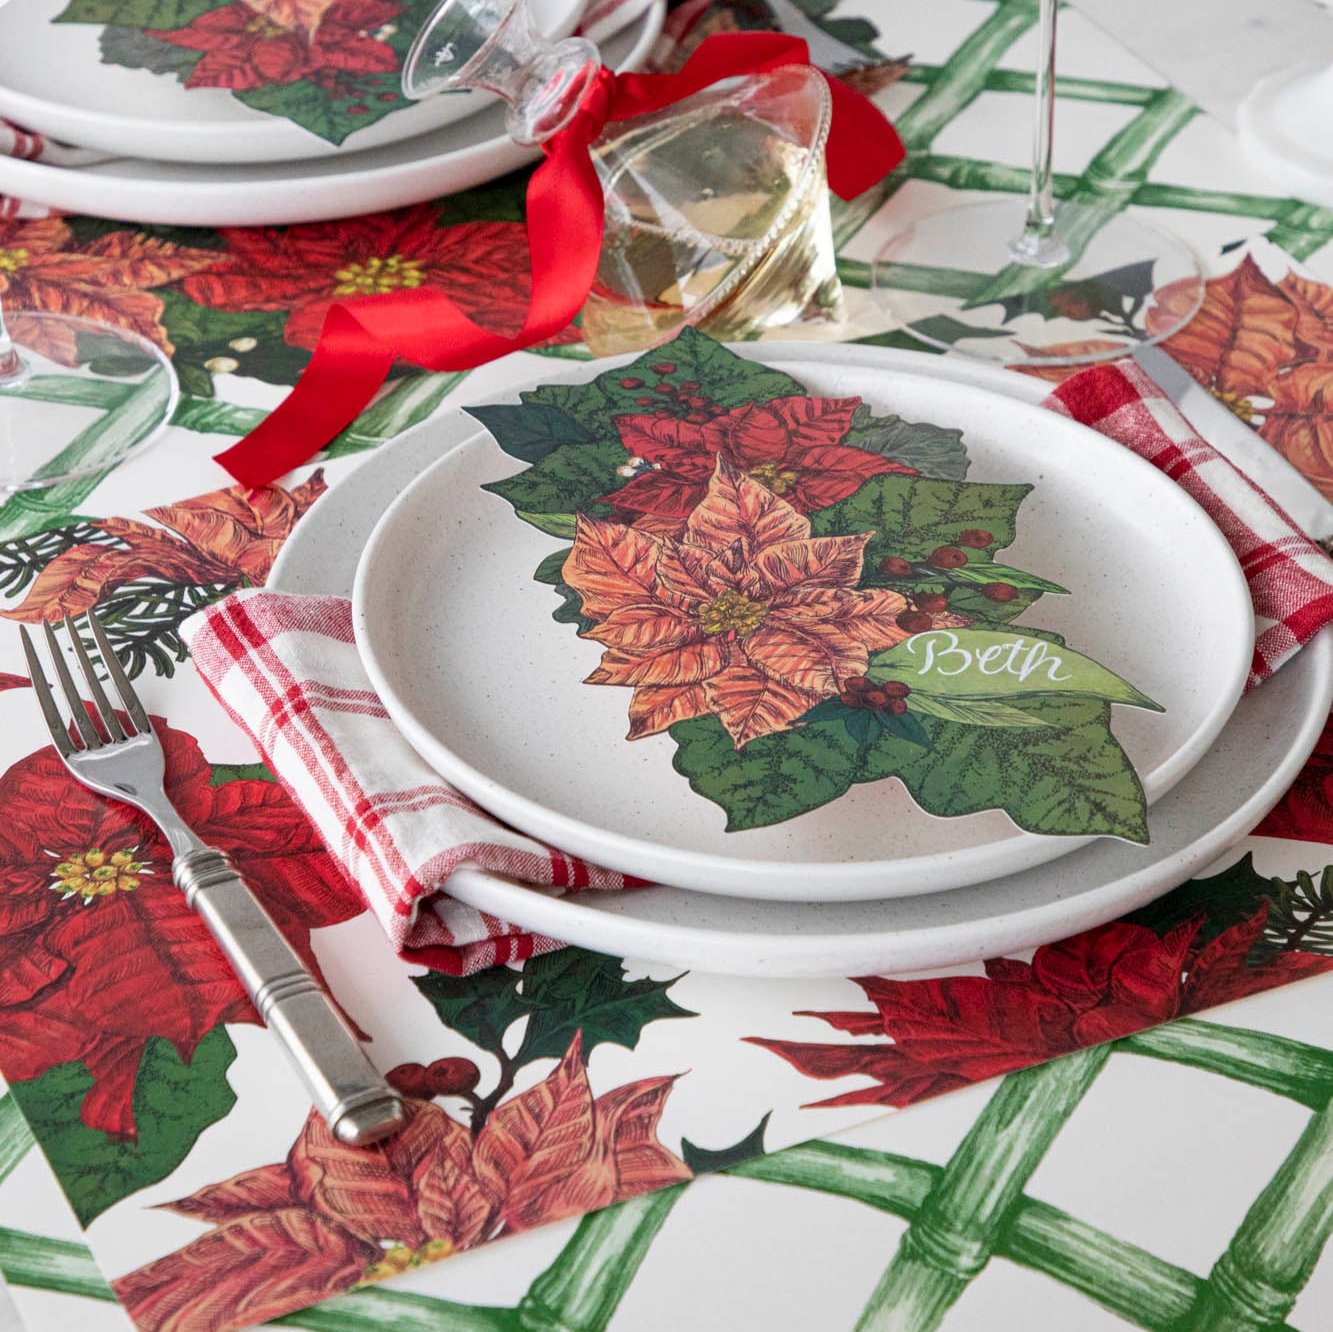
45, 699
103, 704
72, 696
118, 677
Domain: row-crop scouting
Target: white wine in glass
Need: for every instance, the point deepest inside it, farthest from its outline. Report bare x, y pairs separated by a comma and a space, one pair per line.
77, 397
1032, 282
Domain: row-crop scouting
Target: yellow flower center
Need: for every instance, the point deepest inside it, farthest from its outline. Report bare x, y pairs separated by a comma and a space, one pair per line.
1236, 402
731, 613
12, 260
398, 1258
774, 476
264, 27
95, 874
377, 275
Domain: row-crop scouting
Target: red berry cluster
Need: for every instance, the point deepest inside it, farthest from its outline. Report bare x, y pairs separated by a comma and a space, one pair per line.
942, 559
682, 401
445, 1077
860, 692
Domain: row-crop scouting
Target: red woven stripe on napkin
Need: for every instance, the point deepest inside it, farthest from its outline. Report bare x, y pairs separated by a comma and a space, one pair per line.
1290, 577
287, 670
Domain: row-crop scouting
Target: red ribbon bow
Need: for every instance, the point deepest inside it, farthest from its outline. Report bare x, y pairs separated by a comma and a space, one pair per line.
362, 337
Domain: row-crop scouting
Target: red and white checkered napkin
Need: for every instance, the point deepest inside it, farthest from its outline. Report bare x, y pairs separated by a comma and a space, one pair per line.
287, 669
15, 141
1290, 577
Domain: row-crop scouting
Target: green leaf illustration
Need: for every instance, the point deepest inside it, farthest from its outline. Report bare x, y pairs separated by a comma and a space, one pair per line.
222, 773
570, 610
944, 328
913, 516
308, 105
703, 1160
135, 49
572, 477
481, 1007
935, 451
1004, 665
972, 711
249, 343
560, 525
136, 13
984, 572
865, 725
574, 990
174, 1102
530, 431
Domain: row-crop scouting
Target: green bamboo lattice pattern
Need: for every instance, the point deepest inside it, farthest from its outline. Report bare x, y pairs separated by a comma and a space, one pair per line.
960, 1216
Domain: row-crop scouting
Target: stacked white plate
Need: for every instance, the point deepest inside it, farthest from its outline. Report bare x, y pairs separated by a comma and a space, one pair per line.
868, 883
200, 157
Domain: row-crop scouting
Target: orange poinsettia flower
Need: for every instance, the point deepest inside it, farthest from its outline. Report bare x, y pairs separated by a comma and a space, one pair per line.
225, 538
744, 615
42, 267
332, 1216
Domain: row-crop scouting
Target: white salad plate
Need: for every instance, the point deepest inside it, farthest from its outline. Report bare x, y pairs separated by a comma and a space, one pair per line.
460, 643
445, 161
1258, 754
55, 80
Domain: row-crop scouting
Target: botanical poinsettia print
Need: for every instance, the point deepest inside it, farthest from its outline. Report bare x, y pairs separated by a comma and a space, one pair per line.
255, 43
222, 539
99, 952
331, 1216
1305, 813
789, 445
1093, 987
43, 267
1264, 349
745, 617
305, 269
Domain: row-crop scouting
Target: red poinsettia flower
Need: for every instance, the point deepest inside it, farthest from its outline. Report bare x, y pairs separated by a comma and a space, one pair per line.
1305, 813
42, 267
1097, 986
255, 43
789, 445
226, 537
98, 951
747, 616
305, 269
332, 1216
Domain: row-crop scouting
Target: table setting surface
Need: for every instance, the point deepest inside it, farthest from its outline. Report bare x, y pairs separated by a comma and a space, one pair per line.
1083, 1074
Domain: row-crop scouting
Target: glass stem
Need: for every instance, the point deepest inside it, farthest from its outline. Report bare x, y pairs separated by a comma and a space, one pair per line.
13, 368
1038, 244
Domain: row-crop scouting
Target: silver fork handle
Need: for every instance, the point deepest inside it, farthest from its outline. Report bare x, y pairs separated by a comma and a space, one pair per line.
354, 1099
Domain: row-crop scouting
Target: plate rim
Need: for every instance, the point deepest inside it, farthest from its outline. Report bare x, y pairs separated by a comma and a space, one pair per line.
717, 873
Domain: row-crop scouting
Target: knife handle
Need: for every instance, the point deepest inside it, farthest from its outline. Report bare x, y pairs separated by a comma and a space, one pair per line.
354, 1099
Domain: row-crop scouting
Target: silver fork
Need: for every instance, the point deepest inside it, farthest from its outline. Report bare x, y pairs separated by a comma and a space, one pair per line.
128, 764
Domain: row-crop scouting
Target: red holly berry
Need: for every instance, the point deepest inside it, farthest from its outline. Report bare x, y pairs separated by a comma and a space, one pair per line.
668, 389
663, 412
894, 566
697, 402
452, 1077
877, 698
947, 557
644, 402
388, 97
896, 688
976, 537
697, 418
897, 706
915, 622
358, 109
631, 383
851, 700
411, 1080
999, 591
933, 603
857, 683
664, 368
689, 386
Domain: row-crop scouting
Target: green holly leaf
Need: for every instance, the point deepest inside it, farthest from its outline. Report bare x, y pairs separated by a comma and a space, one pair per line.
222, 773
866, 725
569, 479
1222, 901
136, 13
705, 1160
911, 516
562, 525
573, 990
481, 1007
530, 431
972, 711
570, 610
966, 599
983, 571
935, 451
174, 1102
249, 343
946, 329
359, 104
135, 49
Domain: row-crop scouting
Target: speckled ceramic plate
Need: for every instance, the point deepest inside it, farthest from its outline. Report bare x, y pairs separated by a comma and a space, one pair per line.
1255, 758
461, 645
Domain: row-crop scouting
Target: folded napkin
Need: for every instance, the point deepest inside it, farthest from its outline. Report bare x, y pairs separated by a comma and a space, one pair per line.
287, 669
15, 141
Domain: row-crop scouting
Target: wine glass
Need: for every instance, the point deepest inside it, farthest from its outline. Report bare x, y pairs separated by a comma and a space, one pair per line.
77, 397
1030, 282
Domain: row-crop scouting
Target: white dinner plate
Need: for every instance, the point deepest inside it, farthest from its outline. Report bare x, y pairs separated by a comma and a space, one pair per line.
55, 79
1248, 767
444, 161
461, 645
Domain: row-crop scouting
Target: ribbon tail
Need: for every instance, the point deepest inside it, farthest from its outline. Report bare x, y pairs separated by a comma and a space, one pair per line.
863, 147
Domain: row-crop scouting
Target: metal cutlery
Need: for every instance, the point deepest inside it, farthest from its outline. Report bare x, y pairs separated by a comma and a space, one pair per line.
123, 760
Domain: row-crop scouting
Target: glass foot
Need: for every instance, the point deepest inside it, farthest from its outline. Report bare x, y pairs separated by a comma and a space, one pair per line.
966, 280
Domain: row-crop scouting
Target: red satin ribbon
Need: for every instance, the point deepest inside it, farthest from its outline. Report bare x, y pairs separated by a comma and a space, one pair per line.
362, 337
